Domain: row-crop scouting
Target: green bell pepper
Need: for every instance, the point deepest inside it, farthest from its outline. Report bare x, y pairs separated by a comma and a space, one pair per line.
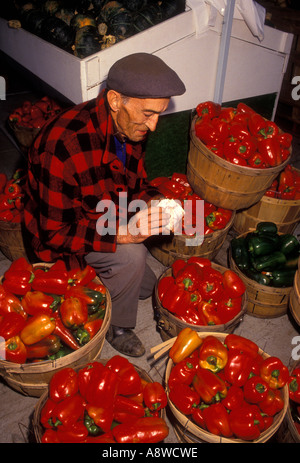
269, 262
282, 278
260, 278
288, 243
266, 228
239, 253
263, 245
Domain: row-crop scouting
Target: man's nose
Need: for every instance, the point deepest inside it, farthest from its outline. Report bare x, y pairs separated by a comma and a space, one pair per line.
152, 122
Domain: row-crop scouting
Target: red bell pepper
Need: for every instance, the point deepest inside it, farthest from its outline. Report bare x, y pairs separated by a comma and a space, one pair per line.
37, 328
245, 109
228, 114
246, 422
53, 281
256, 123
213, 355
270, 130
184, 398
102, 416
198, 415
91, 298
129, 406
18, 277
209, 311
188, 277
257, 161
209, 386
202, 262
211, 284
50, 437
11, 325
73, 312
15, 350
274, 372
155, 396
273, 402
85, 375
228, 307
294, 385
255, 390
10, 303
176, 299
286, 192
235, 159
47, 418
185, 344
218, 149
103, 387
44, 348
163, 285
234, 398
238, 368
208, 109
183, 372
212, 131
68, 411
64, 333
89, 330
63, 384
35, 302
270, 150
216, 220
192, 316
234, 342
144, 430
74, 434
129, 381
216, 420
177, 265
82, 277
233, 284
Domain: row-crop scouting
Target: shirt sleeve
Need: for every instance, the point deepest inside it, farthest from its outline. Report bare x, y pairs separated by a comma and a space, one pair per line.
67, 222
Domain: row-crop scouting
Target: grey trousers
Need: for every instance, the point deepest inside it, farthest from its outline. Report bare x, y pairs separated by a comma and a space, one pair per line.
128, 279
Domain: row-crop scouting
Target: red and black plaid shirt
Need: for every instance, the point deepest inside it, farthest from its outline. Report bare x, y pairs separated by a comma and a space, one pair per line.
72, 166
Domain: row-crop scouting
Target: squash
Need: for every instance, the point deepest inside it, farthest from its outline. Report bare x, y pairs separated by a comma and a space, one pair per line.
120, 23
32, 21
87, 42
56, 31
51, 6
134, 5
145, 18
171, 8
66, 14
82, 6
82, 20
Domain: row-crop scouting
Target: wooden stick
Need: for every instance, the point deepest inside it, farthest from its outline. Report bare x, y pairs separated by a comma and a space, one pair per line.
162, 345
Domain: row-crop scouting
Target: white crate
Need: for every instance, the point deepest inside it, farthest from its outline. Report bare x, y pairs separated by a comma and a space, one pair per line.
254, 67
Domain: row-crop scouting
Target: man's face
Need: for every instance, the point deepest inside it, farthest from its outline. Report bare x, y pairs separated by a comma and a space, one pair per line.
134, 117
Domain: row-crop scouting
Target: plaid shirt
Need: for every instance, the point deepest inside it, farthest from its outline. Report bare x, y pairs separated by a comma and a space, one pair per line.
72, 165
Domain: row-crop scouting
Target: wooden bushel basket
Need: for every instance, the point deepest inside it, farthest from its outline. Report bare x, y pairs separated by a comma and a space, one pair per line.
170, 326
201, 435
167, 249
263, 301
284, 213
32, 379
11, 240
225, 184
37, 426
294, 301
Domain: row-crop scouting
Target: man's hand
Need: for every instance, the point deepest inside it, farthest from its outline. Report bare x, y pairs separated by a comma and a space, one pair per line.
145, 223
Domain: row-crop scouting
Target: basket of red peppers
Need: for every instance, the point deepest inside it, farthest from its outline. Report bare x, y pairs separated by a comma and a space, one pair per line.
241, 136
49, 318
199, 294
216, 223
27, 120
108, 402
224, 388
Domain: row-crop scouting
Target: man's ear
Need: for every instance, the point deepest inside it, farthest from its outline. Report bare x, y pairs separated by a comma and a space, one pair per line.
114, 99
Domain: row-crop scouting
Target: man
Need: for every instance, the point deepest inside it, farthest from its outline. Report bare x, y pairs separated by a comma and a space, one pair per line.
89, 154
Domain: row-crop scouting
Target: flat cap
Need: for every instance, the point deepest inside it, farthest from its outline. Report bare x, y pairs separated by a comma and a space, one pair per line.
142, 75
